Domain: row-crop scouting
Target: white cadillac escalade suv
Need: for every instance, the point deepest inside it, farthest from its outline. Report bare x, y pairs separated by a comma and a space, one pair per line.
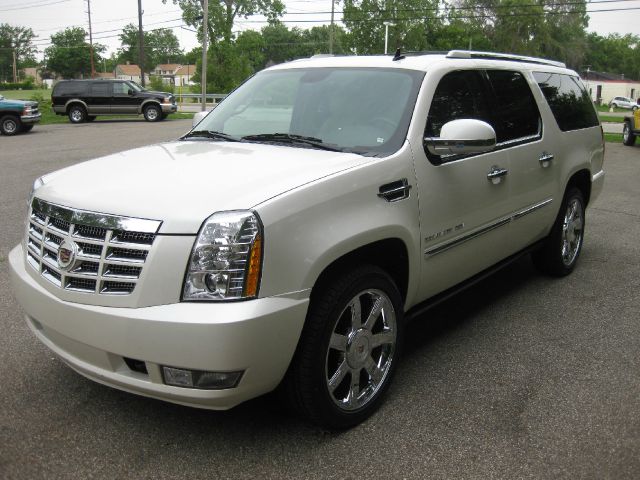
289, 236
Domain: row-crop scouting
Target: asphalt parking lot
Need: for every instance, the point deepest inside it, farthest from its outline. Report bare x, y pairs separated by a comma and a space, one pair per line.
520, 377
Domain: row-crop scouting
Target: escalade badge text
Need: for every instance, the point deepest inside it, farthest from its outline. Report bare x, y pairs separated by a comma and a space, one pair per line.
67, 252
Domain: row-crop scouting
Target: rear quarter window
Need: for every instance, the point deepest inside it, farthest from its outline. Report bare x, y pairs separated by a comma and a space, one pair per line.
70, 89
568, 100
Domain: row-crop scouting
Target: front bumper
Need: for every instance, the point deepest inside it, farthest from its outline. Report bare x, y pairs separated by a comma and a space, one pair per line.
169, 108
258, 337
30, 119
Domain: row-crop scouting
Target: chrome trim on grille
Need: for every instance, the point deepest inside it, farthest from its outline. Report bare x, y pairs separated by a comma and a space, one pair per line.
94, 238
95, 219
485, 229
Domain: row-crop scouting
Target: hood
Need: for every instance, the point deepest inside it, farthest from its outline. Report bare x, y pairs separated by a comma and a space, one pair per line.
18, 103
153, 93
183, 183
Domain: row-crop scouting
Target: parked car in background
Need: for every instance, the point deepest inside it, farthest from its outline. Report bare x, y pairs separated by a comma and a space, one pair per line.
288, 237
623, 102
18, 115
83, 100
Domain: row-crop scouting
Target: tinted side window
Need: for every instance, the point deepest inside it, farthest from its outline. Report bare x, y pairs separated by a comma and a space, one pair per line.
515, 110
70, 88
120, 89
568, 100
459, 94
101, 89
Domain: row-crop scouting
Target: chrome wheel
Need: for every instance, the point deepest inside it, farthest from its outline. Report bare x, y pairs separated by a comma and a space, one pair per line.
361, 350
9, 127
625, 133
151, 114
76, 115
572, 231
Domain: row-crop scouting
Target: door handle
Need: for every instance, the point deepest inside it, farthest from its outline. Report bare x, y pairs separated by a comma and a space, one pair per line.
545, 159
496, 173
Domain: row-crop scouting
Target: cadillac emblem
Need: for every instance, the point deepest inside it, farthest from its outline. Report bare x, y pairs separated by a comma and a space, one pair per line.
67, 252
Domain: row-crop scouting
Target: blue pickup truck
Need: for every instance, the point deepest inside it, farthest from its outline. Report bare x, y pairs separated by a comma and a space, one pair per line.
17, 115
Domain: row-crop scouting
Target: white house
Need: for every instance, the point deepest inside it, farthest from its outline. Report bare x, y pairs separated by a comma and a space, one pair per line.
129, 72
604, 86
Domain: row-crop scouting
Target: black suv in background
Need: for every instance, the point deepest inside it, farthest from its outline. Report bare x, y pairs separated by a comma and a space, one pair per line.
82, 100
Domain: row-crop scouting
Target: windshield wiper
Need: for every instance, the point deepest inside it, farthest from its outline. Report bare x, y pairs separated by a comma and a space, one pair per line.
292, 139
210, 134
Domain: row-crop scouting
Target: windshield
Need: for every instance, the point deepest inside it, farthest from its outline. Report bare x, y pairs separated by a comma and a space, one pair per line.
363, 110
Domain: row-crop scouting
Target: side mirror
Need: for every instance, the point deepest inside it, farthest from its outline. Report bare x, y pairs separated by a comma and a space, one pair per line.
462, 137
130, 92
197, 118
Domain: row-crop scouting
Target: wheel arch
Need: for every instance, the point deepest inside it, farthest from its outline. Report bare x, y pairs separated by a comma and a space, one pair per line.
148, 102
73, 102
582, 181
390, 254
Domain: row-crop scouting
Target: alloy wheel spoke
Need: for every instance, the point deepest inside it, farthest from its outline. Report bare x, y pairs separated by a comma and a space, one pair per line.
374, 372
338, 342
356, 314
382, 338
375, 312
338, 376
354, 388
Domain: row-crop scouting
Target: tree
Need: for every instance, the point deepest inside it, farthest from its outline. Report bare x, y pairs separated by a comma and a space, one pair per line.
222, 14
69, 54
614, 53
160, 46
413, 23
20, 40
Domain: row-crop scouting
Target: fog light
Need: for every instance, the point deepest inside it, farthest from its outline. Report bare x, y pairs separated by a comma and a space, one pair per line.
179, 377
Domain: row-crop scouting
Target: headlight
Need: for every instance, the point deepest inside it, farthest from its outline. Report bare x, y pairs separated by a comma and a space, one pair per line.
226, 259
39, 182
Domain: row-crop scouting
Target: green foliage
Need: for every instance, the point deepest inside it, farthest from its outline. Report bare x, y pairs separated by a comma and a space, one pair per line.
20, 39
26, 85
70, 55
223, 13
156, 83
614, 53
160, 46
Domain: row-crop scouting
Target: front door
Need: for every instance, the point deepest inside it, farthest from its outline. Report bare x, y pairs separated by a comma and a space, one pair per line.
124, 100
464, 214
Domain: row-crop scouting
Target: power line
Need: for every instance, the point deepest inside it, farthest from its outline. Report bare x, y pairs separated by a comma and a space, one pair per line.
26, 7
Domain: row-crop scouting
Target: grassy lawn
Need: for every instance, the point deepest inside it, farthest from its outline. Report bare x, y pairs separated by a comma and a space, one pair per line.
37, 94
605, 108
611, 119
613, 137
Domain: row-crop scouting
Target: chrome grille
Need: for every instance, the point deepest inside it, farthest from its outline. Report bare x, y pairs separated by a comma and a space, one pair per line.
109, 252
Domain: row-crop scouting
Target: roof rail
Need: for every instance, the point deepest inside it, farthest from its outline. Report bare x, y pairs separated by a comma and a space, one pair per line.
503, 56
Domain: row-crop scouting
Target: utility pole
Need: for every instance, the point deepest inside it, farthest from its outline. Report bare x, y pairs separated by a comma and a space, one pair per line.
15, 70
140, 43
205, 41
93, 68
331, 27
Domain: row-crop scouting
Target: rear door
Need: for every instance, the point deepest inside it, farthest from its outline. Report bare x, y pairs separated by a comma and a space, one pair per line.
533, 173
99, 98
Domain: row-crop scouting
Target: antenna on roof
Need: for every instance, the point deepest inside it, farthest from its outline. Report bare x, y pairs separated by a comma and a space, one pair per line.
398, 55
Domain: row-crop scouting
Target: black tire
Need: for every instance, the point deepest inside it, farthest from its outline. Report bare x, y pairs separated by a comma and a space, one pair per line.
91, 118
26, 128
561, 249
634, 108
152, 113
332, 348
77, 114
628, 138
9, 125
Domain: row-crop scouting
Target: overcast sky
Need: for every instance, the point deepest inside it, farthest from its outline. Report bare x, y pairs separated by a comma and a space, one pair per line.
109, 16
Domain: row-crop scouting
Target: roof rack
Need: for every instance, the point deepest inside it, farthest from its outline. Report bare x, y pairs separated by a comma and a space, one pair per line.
503, 56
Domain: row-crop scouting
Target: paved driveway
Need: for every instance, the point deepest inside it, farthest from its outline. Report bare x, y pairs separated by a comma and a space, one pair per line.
520, 377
